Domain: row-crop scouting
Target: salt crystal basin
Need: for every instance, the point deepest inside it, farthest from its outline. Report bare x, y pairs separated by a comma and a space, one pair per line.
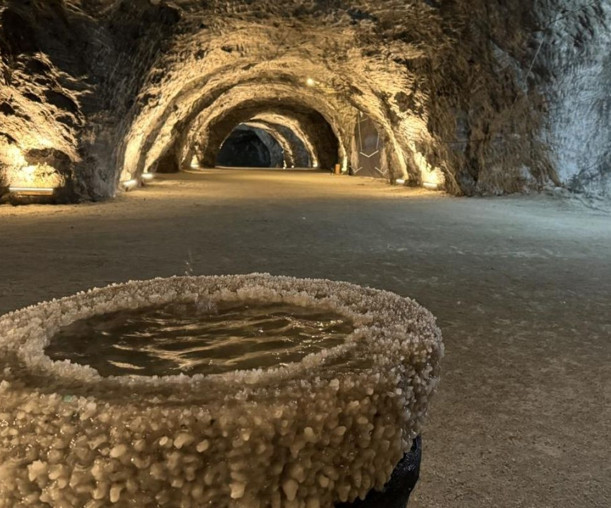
314, 433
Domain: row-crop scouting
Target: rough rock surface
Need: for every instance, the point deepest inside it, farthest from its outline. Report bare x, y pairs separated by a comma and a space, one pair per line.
478, 96
576, 52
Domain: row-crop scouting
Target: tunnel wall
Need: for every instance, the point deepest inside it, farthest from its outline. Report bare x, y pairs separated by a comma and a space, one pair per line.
69, 75
574, 69
484, 97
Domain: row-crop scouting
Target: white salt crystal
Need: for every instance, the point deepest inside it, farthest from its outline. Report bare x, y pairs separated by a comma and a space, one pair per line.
118, 451
290, 487
256, 430
237, 490
115, 493
183, 439
202, 446
36, 469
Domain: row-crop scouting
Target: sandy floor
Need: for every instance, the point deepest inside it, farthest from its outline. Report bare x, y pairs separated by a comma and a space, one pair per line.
521, 288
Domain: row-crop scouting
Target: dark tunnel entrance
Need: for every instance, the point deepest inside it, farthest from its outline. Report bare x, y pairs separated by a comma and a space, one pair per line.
250, 147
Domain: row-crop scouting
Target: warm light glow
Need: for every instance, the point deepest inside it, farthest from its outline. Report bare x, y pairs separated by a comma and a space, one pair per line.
16, 155
28, 173
129, 184
132, 156
44, 142
148, 177
195, 162
310, 82
31, 176
400, 181
432, 178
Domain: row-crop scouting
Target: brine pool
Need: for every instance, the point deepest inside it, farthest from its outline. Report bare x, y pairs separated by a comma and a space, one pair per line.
182, 338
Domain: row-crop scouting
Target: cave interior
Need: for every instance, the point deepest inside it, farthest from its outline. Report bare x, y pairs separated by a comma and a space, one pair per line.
453, 151
470, 98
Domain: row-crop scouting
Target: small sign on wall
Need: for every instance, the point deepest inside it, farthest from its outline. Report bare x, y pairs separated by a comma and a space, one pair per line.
370, 160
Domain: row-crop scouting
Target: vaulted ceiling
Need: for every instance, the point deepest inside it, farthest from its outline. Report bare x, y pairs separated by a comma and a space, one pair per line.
476, 96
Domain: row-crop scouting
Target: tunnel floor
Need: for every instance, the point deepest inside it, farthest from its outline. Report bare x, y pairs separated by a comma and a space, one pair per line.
520, 287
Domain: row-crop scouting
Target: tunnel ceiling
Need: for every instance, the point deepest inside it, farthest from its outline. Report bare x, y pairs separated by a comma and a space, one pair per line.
477, 96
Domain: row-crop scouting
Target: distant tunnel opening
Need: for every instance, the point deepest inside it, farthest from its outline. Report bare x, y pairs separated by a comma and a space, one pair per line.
250, 147
267, 134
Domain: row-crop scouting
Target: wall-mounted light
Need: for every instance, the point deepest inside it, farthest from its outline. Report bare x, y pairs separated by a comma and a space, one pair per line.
129, 184
33, 180
31, 191
345, 165
432, 177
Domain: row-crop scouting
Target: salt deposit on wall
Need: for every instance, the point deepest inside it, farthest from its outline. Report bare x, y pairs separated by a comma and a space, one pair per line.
578, 54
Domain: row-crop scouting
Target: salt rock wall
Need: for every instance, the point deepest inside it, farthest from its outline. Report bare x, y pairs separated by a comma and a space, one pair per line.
475, 96
574, 71
69, 72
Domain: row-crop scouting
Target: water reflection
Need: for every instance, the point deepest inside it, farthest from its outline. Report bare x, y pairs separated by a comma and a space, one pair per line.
185, 339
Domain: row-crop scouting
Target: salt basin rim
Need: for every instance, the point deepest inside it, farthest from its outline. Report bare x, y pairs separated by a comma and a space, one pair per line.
326, 429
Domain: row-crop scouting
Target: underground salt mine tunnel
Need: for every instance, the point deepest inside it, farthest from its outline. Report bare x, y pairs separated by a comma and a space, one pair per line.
305, 253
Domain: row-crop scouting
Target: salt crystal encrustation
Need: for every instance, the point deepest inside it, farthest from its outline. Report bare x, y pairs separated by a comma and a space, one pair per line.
220, 440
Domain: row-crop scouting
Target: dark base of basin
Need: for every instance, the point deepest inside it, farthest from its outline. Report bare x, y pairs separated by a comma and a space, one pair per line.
398, 489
